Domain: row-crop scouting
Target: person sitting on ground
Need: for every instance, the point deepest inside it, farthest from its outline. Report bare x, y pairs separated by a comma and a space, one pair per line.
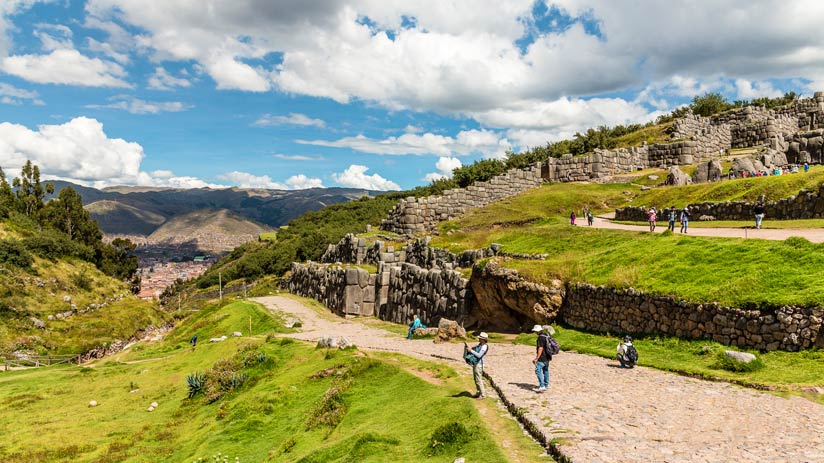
806, 167
478, 352
627, 354
416, 323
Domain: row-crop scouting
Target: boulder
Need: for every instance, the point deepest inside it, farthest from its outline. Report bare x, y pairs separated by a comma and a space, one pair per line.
714, 170
150, 409
39, 324
154, 405
237, 334
740, 357
92, 403
292, 322
677, 177
220, 339
742, 164
426, 332
701, 174
448, 329
344, 343
328, 342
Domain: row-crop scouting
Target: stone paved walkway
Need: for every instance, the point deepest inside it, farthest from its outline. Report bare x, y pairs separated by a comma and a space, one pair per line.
606, 414
814, 235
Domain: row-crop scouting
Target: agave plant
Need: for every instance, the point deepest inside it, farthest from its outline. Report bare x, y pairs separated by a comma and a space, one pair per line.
196, 382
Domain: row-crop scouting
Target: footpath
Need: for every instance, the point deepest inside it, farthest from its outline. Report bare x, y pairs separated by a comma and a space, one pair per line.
814, 235
603, 414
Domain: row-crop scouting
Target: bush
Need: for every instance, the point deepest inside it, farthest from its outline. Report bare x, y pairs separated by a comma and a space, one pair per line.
14, 253
195, 382
55, 245
329, 410
450, 435
725, 363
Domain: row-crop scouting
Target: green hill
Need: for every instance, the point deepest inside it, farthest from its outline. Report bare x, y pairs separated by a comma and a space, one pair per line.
295, 403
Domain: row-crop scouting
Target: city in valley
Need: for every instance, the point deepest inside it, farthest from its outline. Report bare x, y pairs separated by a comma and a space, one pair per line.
160, 265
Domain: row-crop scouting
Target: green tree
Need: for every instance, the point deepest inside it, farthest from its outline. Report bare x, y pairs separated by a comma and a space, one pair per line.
6, 196
66, 213
710, 103
30, 192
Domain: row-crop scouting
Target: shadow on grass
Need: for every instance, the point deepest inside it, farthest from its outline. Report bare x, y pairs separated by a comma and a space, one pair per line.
463, 394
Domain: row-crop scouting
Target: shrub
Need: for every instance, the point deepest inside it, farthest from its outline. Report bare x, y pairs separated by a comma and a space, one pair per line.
725, 363
450, 435
329, 410
14, 253
195, 383
82, 280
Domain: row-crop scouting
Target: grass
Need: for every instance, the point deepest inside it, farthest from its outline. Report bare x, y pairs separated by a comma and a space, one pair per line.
774, 224
789, 371
265, 419
651, 135
269, 236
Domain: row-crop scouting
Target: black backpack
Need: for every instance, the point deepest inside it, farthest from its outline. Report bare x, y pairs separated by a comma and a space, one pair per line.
551, 346
632, 354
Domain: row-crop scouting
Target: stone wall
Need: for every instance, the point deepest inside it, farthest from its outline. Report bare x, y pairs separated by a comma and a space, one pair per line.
628, 311
597, 165
806, 147
432, 294
760, 133
414, 215
804, 205
352, 250
345, 290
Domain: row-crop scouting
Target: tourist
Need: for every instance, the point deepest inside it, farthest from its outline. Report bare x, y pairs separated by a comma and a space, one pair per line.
590, 218
651, 217
758, 210
685, 219
572, 218
732, 173
672, 216
416, 323
193, 341
806, 167
627, 354
542, 358
478, 352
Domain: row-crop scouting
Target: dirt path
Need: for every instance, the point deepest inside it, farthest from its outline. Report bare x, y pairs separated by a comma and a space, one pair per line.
606, 414
815, 235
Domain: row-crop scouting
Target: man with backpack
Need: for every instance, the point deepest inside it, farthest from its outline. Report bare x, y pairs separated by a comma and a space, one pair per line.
627, 354
672, 216
475, 357
545, 348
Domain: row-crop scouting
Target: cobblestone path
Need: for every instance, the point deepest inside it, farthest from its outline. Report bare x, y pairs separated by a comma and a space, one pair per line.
605, 414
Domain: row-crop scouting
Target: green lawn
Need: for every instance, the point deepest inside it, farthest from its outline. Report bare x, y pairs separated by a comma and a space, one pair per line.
378, 408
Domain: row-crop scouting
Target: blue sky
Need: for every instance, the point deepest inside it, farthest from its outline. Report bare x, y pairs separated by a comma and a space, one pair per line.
369, 94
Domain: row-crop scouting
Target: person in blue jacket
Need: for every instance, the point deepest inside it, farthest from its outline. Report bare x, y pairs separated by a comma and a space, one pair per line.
416, 323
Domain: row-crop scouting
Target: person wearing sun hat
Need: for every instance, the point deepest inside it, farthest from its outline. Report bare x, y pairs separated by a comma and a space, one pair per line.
541, 360
479, 351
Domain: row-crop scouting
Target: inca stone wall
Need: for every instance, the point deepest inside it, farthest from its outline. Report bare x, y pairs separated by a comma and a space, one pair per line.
628, 311
352, 250
432, 294
806, 147
804, 205
760, 133
347, 291
415, 215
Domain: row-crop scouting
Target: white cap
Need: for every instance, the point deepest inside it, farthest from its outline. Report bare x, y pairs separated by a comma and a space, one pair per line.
483, 336
537, 328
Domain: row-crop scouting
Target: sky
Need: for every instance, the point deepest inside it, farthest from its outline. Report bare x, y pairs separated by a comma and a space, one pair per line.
377, 94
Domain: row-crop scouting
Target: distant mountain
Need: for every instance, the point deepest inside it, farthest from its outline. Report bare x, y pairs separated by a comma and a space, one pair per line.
143, 210
209, 230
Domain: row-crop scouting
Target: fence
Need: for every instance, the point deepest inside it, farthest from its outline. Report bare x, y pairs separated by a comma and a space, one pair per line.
40, 361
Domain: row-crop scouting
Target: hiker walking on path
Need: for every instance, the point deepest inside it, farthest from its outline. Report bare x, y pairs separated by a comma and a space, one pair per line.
476, 355
193, 341
685, 219
542, 358
627, 354
651, 215
759, 214
672, 215
416, 323
590, 218
572, 218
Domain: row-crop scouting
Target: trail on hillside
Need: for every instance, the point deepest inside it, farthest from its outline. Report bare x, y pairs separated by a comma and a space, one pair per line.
814, 235
607, 414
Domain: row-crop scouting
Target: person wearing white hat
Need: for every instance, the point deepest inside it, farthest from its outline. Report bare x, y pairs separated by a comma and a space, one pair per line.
542, 358
477, 354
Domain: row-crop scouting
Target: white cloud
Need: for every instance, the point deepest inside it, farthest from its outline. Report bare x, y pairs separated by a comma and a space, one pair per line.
484, 142
138, 106
302, 182
291, 119
298, 157
412, 129
80, 151
247, 180
162, 80
10, 94
355, 177
54, 36
65, 66
749, 90
445, 166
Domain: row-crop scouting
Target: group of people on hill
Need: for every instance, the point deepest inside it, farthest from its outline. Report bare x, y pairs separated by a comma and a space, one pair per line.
792, 169
672, 215
545, 347
587, 214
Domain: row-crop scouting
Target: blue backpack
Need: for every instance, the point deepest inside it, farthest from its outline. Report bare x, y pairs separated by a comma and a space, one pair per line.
472, 359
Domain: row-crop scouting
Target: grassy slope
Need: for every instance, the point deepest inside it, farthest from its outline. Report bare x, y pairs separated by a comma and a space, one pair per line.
390, 412
730, 271
40, 293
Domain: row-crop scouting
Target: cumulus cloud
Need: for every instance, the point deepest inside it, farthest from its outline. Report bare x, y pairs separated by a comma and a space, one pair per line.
291, 119
138, 106
445, 166
355, 177
12, 95
162, 80
80, 151
749, 90
247, 180
65, 66
484, 142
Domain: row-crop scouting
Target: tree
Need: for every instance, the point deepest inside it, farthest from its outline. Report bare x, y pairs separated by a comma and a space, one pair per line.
66, 213
709, 104
6, 196
30, 192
